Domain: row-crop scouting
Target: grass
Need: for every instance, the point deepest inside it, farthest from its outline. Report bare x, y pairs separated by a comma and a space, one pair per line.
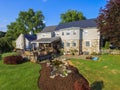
19, 77
103, 74
9, 54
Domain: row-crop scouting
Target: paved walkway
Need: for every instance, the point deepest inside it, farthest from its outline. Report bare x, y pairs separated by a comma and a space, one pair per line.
69, 57
75, 56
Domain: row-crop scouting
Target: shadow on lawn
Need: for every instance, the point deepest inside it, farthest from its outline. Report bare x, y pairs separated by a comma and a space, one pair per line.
97, 85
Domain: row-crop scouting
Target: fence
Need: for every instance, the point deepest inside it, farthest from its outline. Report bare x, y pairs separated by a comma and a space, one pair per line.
109, 51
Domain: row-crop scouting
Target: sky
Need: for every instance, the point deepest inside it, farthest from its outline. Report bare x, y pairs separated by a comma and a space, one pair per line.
51, 9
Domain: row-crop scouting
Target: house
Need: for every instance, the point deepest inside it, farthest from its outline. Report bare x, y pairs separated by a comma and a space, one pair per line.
24, 41
74, 37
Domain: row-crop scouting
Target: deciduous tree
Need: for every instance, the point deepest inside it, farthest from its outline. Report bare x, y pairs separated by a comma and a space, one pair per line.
72, 15
108, 22
27, 21
2, 34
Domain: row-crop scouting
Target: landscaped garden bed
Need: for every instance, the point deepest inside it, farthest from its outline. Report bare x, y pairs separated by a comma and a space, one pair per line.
58, 77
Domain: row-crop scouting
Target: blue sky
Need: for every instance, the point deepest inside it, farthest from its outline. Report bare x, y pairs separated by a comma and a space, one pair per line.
51, 9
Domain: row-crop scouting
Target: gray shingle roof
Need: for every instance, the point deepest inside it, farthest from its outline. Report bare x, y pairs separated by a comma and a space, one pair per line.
82, 24
30, 37
49, 29
47, 40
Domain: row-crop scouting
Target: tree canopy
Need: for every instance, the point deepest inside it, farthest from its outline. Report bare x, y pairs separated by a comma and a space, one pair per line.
5, 45
27, 21
2, 34
108, 22
71, 15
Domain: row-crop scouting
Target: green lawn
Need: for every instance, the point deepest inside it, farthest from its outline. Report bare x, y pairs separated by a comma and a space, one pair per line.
103, 74
19, 77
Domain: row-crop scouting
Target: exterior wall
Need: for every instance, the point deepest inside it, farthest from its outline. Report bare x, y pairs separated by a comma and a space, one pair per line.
91, 33
73, 37
71, 49
82, 35
92, 36
27, 44
20, 42
94, 46
45, 35
71, 32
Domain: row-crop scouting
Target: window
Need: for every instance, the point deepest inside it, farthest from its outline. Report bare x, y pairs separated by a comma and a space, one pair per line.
57, 34
62, 44
74, 44
62, 33
88, 43
67, 33
74, 33
68, 44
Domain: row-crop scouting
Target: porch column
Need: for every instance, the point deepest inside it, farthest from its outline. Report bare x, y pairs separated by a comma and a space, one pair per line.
37, 44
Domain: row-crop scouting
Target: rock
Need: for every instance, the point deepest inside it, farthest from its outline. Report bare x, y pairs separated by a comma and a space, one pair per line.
73, 81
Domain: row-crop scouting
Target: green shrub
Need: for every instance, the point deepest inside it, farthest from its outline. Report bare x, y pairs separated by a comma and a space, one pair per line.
73, 51
9, 54
61, 51
5, 45
56, 63
94, 53
107, 44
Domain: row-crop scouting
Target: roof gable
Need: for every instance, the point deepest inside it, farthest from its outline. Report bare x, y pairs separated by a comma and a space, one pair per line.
30, 37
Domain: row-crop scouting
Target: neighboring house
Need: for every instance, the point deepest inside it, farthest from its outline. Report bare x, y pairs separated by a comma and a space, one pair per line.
24, 41
78, 36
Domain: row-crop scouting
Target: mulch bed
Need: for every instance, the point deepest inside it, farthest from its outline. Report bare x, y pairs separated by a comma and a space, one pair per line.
74, 81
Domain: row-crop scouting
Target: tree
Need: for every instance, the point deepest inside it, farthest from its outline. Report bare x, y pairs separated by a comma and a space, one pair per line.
5, 45
27, 21
72, 15
108, 22
2, 34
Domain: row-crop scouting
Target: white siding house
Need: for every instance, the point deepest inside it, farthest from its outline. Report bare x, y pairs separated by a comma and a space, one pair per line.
79, 36
20, 42
24, 41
